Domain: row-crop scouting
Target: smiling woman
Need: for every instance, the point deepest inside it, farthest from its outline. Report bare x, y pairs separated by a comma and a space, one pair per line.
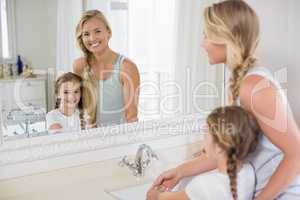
111, 81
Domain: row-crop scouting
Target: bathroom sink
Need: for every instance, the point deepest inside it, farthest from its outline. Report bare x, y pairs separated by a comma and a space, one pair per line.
130, 193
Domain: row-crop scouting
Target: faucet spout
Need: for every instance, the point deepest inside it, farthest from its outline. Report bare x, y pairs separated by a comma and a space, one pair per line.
143, 158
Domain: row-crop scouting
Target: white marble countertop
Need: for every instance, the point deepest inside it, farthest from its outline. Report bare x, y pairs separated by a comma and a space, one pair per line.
91, 181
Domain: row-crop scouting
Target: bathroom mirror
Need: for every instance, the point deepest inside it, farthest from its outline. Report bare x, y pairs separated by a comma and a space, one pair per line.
175, 77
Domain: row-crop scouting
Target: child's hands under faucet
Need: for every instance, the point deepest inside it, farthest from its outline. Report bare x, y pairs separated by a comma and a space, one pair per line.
167, 180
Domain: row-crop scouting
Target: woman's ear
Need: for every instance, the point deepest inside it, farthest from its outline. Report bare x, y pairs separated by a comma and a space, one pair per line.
110, 34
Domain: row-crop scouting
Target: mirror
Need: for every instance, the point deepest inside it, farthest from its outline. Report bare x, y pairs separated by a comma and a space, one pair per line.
175, 77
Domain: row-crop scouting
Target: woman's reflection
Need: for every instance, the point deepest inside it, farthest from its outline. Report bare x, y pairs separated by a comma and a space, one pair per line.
111, 81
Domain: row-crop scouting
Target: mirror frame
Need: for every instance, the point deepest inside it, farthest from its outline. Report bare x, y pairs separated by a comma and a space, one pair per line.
40, 154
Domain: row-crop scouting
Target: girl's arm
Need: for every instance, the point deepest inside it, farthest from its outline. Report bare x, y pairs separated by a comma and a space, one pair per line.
275, 118
154, 194
193, 167
130, 79
55, 128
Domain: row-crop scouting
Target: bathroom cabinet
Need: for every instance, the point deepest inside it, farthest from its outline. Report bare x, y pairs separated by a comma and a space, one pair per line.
18, 93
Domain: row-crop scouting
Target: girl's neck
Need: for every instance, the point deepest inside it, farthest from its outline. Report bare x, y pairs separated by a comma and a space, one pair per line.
66, 111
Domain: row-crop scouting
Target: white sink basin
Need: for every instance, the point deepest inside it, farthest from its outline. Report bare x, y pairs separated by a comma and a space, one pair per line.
138, 192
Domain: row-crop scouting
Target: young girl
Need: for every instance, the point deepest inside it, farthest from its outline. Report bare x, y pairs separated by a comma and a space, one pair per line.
232, 135
112, 80
68, 112
231, 30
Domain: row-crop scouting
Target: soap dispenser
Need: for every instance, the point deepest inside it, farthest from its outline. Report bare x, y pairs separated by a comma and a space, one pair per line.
20, 65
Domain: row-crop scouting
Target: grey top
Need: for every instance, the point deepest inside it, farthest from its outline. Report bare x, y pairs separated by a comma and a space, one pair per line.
267, 156
110, 107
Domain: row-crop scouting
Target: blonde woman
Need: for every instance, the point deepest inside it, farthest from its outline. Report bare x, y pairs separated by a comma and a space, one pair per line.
111, 81
232, 134
231, 37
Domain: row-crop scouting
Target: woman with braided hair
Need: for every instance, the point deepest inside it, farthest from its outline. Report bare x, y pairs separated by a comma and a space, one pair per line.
110, 80
231, 36
232, 134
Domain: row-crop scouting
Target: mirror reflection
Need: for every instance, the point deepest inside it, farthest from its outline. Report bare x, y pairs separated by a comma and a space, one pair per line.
103, 64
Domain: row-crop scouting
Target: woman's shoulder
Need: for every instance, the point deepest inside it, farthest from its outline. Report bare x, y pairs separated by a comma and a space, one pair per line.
260, 84
79, 64
129, 68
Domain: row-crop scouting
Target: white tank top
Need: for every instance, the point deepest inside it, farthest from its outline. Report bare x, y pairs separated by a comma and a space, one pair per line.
267, 156
215, 185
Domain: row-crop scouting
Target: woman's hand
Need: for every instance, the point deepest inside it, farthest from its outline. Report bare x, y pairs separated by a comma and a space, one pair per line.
167, 180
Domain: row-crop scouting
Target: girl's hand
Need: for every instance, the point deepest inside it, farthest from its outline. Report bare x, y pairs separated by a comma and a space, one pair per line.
167, 180
153, 193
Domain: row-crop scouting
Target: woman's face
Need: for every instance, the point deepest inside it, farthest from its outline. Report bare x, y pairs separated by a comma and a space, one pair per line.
95, 35
216, 52
69, 93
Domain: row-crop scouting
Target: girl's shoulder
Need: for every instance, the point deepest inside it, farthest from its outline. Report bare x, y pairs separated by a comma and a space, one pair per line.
54, 113
246, 170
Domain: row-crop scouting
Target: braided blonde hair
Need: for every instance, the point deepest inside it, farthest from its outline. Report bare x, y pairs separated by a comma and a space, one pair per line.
90, 83
235, 24
236, 131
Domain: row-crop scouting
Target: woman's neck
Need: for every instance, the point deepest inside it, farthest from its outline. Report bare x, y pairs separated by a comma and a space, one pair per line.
104, 57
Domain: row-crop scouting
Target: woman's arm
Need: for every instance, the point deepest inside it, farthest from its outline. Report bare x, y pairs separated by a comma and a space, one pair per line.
260, 96
130, 79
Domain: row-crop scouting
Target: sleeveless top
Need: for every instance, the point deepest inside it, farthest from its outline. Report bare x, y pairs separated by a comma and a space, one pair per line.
110, 106
267, 156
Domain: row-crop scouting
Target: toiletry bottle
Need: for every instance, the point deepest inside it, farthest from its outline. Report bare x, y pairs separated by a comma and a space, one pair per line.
1, 71
11, 72
20, 65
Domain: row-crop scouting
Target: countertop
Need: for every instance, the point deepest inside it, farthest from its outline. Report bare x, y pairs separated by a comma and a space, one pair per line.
91, 181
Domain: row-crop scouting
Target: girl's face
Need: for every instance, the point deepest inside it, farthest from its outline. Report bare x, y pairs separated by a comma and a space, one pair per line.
216, 52
95, 35
209, 146
69, 93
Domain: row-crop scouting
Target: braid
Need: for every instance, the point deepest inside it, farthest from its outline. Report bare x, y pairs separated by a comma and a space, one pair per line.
82, 120
238, 75
90, 95
57, 103
232, 172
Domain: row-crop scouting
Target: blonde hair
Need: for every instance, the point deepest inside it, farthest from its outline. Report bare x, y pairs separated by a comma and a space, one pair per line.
90, 83
237, 132
70, 77
86, 16
235, 24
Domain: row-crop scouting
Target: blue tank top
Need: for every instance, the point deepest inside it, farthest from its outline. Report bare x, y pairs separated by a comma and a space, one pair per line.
110, 107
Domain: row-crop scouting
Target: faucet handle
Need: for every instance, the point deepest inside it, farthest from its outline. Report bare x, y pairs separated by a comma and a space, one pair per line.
132, 166
124, 162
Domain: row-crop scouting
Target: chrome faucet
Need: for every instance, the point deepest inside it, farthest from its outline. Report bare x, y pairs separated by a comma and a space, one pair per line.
143, 159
